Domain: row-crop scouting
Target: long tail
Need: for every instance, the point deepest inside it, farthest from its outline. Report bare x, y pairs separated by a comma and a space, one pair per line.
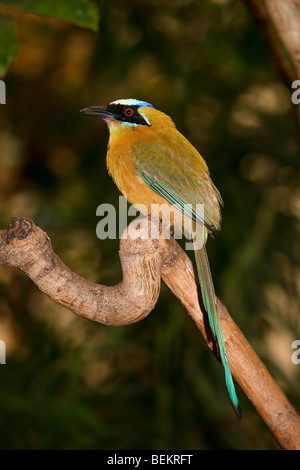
209, 301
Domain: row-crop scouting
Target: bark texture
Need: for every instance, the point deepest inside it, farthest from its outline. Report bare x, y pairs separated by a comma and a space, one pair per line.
145, 262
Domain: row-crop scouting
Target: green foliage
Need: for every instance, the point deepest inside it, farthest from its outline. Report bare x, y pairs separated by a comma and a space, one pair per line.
71, 383
8, 42
79, 12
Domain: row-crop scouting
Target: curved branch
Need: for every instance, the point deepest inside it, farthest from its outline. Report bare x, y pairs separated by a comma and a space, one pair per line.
282, 61
27, 247
279, 21
144, 261
246, 367
285, 16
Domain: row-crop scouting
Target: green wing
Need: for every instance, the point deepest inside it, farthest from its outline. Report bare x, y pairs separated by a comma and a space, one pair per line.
175, 200
174, 169
183, 180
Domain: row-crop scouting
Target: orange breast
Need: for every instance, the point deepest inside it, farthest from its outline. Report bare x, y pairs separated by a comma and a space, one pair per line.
120, 167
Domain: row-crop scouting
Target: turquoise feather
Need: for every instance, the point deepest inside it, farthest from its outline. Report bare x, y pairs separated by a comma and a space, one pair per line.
146, 143
209, 301
205, 280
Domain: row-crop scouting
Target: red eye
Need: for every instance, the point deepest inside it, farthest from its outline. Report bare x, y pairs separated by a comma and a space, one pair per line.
128, 112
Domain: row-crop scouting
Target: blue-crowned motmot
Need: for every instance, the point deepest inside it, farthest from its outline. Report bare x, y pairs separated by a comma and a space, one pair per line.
152, 164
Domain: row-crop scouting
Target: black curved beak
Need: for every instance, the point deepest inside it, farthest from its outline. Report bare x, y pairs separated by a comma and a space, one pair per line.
98, 112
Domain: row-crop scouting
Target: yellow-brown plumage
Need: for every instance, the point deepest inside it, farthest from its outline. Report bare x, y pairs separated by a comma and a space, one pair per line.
184, 160
153, 164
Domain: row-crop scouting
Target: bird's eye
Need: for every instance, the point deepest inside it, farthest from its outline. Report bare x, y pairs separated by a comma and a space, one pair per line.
128, 112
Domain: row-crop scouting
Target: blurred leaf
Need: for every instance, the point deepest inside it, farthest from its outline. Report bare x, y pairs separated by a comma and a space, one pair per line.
8, 42
80, 12
78, 427
70, 383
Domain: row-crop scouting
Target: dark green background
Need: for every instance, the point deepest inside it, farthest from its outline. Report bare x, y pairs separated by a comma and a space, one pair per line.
73, 384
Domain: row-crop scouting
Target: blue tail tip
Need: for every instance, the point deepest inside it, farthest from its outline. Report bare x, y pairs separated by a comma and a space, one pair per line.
238, 412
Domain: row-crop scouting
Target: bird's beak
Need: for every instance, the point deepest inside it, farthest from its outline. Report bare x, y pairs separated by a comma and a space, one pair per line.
98, 112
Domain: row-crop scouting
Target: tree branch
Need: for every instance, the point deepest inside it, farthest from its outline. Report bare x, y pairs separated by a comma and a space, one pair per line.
27, 247
279, 21
144, 261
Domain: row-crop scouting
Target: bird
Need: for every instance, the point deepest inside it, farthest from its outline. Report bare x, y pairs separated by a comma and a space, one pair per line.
153, 164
